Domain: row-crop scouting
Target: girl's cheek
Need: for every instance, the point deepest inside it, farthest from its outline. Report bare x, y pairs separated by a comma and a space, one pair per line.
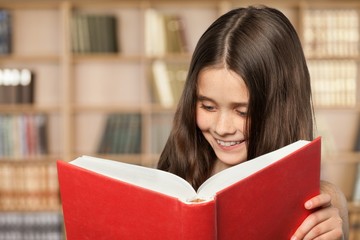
202, 120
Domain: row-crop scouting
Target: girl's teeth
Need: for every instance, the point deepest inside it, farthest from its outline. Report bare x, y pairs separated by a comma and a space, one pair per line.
227, 144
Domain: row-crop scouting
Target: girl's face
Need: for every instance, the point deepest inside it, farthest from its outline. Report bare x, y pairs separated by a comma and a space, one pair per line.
221, 113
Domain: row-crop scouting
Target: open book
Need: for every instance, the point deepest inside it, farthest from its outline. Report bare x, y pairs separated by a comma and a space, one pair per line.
259, 199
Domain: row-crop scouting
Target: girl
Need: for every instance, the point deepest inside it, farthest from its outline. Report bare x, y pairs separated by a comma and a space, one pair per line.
248, 93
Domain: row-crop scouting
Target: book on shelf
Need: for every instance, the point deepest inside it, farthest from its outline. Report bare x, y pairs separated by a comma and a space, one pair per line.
168, 81
357, 140
164, 33
16, 86
26, 87
261, 198
94, 33
121, 134
175, 40
354, 232
23, 135
31, 225
356, 191
5, 31
333, 82
29, 187
331, 32
354, 224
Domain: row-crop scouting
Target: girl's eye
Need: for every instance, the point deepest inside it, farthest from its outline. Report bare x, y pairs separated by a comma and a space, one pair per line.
207, 107
242, 113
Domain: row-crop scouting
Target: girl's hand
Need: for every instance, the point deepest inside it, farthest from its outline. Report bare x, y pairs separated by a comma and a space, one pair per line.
324, 223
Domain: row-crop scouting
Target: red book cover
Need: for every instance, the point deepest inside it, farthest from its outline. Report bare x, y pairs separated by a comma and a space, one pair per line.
260, 199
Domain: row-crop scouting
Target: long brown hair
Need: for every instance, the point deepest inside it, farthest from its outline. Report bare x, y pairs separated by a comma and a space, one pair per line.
260, 45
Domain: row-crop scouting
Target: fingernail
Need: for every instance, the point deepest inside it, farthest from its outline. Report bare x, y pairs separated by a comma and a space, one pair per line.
293, 238
308, 206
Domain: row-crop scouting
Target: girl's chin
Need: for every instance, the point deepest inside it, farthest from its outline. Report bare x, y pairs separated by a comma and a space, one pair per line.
233, 156
231, 160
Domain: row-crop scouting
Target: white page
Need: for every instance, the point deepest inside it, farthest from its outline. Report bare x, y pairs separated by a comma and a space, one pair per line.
233, 174
150, 178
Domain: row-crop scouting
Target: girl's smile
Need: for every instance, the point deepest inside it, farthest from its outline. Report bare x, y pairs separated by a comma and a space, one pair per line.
227, 145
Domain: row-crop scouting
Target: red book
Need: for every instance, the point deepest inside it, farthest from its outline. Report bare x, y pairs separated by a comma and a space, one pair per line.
258, 199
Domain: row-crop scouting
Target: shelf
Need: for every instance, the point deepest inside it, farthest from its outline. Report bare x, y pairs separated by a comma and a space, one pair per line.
24, 108
33, 4
100, 108
31, 160
29, 59
101, 57
333, 58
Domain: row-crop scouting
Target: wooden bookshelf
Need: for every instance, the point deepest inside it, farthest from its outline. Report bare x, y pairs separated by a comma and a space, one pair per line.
78, 91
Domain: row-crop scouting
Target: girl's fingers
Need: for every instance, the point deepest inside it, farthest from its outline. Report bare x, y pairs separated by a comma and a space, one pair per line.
323, 200
308, 224
330, 227
321, 223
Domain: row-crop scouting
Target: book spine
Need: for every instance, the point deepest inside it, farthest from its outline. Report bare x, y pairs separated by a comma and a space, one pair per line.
164, 33
162, 84
333, 82
113, 34
198, 221
329, 33
26, 87
174, 34
16, 86
28, 187
94, 33
103, 146
356, 192
357, 140
354, 232
83, 34
5, 32
31, 225
74, 26
121, 134
23, 135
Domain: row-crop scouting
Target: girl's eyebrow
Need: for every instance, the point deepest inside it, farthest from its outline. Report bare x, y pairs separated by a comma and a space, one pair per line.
204, 98
235, 104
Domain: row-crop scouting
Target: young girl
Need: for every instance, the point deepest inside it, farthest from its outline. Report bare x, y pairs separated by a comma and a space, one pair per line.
248, 93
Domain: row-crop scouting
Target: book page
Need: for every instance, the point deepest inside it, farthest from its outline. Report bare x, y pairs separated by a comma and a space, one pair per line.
233, 174
149, 178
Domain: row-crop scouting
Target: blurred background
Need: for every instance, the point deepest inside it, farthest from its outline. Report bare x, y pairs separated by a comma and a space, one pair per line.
102, 78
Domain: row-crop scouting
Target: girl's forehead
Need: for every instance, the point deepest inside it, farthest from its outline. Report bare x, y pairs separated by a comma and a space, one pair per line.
221, 83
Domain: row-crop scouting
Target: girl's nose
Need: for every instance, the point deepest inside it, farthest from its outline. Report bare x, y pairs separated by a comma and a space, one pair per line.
224, 124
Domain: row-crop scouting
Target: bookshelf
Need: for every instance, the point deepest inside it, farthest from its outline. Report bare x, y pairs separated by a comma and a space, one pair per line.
77, 91
29, 189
